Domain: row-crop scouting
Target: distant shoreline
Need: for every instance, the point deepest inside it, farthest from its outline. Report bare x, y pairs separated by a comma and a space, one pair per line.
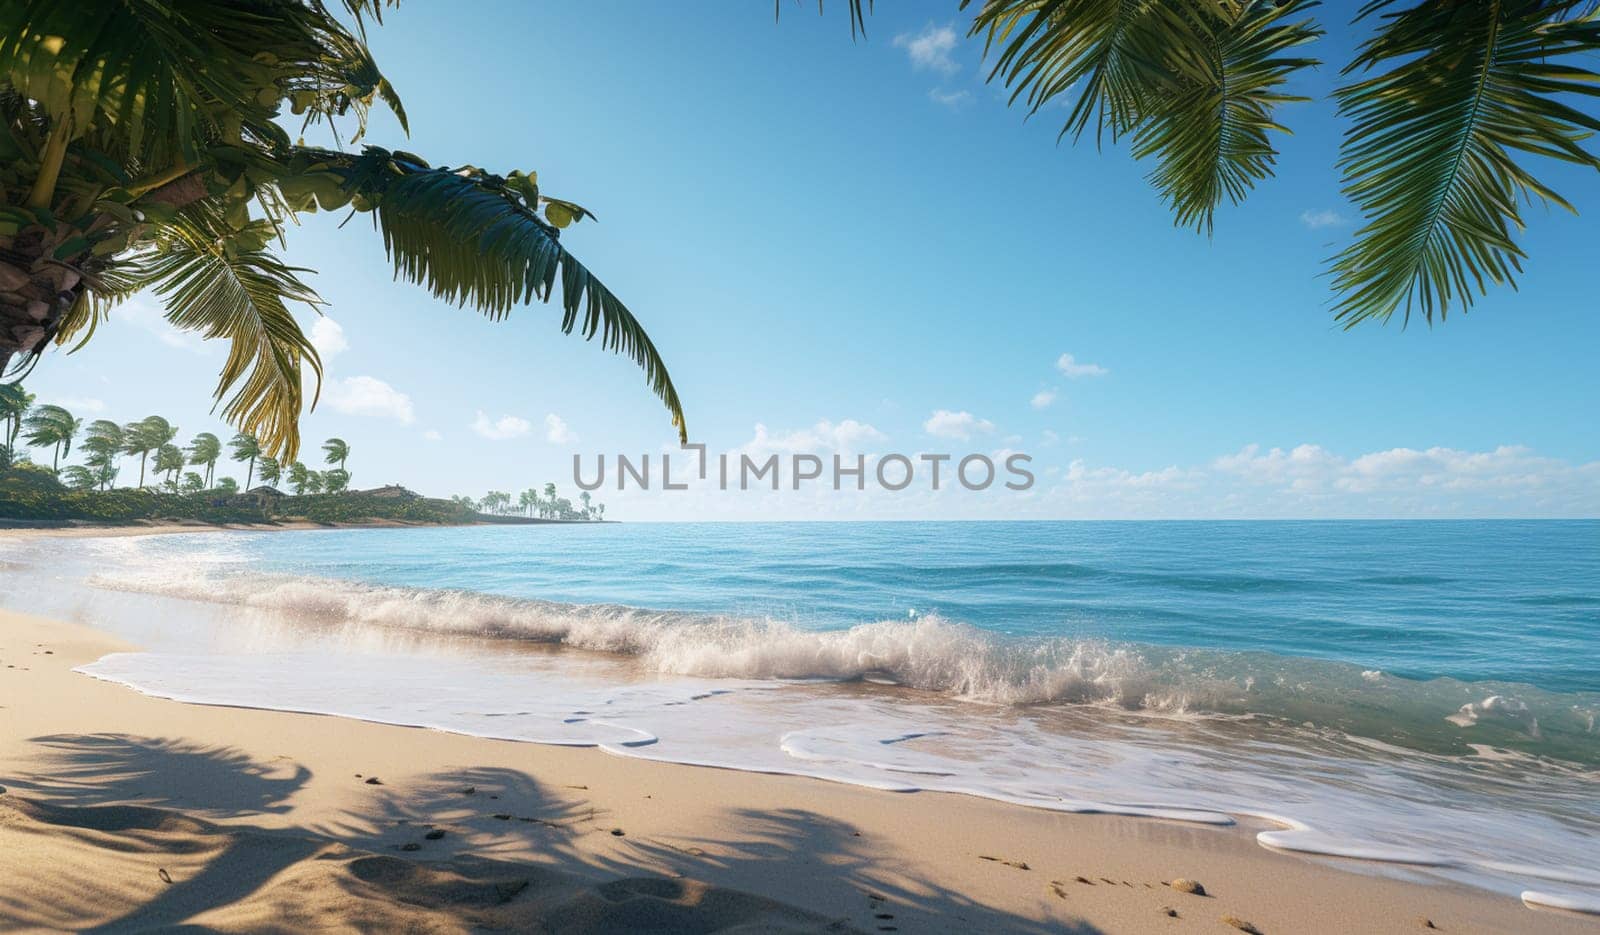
22, 528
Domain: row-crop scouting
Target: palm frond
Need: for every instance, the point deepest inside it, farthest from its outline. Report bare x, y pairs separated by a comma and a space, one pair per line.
178, 75
1111, 53
1210, 132
1195, 81
476, 239
858, 13
226, 284
1431, 155
93, 306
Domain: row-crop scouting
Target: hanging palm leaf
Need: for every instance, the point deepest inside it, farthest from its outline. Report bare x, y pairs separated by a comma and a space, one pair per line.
1431, 153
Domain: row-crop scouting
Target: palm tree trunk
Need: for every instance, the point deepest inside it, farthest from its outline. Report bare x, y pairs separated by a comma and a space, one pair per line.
249, 472
141, 469
34, 294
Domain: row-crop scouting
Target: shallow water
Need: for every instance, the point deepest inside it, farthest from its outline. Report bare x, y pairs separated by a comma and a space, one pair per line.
1421, 694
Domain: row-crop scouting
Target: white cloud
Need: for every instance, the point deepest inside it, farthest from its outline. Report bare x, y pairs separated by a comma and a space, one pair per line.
961, 425
1072, 368
432, 435
844, 436
368, 396
501, 429
327, 336
556, 430
1043, 399
1048, 438
1507, 480
950, 99
1327, 217
77, 404
930, 49
148, 316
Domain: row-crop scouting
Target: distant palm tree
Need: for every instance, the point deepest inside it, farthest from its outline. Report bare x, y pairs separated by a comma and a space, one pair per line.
147, 435
53, 427
245, 447
299, 477
549, 506
337, 450
104, 441
105, 473
587, 509
336, 481
527, 500
14, 403
313, 481
268, 469
228, 486
80, 477
192, 482
169, 461
602, 508
206, 449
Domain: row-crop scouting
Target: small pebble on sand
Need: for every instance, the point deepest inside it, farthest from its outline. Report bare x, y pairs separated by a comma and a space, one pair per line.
411, 846
1240, 924
435, 834
618, 832
1186, 885
1426, 923
374, 781
1169, 912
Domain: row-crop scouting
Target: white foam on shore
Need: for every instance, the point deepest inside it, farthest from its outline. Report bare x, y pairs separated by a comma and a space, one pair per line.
1381, 810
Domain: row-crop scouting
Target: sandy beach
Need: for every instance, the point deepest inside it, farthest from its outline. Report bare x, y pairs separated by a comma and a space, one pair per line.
123, 812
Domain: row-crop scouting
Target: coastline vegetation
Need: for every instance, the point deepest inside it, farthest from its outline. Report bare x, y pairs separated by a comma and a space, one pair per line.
180, 482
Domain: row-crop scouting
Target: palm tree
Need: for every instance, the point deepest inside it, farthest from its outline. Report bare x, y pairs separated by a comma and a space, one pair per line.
547, 508
169, 461
586, 508
1447, 105
104, 441
227, 486
192, 482
147, 435
299, 477
206, 449
146, 146
245, 448
80, 477
314, 481
336, 451
14, 403
268, 470
52, 426
602, 508
527, 500
336, 480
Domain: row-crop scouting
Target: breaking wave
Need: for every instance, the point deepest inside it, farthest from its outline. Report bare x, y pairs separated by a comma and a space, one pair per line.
933, 654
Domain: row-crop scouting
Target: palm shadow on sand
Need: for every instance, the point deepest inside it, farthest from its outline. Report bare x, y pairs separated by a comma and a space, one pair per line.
510, 856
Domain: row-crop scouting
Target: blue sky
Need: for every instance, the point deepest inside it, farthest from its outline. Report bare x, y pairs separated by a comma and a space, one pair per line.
822, 233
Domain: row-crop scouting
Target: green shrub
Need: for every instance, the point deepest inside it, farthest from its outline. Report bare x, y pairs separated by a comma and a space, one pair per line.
32, 493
